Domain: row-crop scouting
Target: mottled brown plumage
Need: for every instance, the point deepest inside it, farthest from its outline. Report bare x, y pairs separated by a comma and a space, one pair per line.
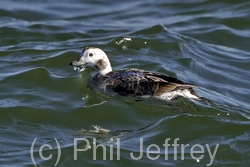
134, 82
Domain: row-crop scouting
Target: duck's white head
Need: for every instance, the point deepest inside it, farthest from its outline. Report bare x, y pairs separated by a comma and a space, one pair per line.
93, 57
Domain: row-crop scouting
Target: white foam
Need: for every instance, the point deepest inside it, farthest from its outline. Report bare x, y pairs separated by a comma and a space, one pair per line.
80, 69
98, 129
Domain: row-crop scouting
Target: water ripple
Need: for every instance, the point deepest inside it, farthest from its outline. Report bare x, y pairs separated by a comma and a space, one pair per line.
200, 42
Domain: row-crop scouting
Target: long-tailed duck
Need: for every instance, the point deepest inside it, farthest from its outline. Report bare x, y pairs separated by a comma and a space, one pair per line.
132, 82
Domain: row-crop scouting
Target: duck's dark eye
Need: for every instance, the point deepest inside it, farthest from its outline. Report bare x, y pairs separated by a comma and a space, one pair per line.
91, 54
79, 59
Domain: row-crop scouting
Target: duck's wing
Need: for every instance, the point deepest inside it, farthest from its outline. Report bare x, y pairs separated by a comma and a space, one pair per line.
162, 84
129, 82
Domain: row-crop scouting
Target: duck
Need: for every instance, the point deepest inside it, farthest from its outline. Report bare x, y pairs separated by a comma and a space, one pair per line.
131, 82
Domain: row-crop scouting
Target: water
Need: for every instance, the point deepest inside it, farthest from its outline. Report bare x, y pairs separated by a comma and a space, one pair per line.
205, 43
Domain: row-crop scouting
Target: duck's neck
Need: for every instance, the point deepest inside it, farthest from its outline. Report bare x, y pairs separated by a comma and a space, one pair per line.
105, 71
103, 66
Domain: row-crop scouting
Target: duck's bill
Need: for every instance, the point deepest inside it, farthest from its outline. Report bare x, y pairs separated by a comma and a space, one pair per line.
77, 65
